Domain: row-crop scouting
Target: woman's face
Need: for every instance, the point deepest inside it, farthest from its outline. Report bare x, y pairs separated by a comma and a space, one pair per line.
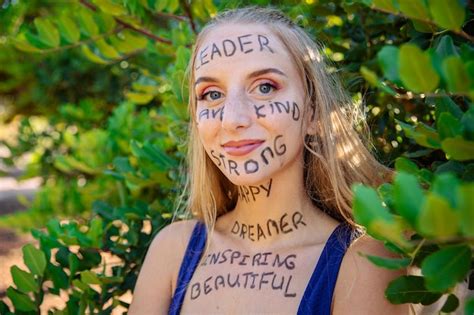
249, 103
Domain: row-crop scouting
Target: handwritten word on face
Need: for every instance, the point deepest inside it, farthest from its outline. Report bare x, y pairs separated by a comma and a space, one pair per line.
228, 47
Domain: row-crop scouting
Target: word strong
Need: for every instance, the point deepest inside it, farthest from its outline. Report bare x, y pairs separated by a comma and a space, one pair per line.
250, 166
228, 47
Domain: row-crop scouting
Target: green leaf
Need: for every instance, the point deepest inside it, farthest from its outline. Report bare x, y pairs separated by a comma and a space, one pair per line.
369, 212
416, 71
422, 134
73, 264
92, 56
446, 104
386, 5
405, 165
465, 198
21, 301
408, 197
107, 50
410, 289
58, 276
68, 29
449, 14
446, 186
388, 263
448, 126
469, 307
458, 148
47, 32
139, 98
24, 281
415, 9
455, 75
451, 304
367, 74
437, 219
35, 259
467, 122
88, 25
388, 58
445, 268
172, 6
95, 232
88, 277
110, 7
23, 44
445, 47
160, 5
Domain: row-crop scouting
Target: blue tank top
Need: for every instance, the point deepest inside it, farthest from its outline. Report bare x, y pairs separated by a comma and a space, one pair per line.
317, 297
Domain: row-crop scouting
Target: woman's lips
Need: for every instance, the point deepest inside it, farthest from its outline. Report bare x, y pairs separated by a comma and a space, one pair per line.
242, 147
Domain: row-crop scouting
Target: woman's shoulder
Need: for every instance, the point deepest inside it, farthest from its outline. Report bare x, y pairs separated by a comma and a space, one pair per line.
360, 281
174, 236
163, 261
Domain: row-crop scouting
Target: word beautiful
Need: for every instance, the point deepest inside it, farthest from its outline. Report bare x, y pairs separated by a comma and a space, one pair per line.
275, 227
248, 193
228, 47
247, 280
262, 111
250, 166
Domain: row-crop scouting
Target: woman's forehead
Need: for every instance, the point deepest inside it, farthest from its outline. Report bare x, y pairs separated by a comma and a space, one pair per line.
231, 40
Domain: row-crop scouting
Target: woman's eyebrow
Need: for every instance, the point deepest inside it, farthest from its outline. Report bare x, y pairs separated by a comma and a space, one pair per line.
205, 79
251, 75
265, 71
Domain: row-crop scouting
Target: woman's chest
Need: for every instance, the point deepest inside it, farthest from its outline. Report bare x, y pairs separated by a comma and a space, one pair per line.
232, 281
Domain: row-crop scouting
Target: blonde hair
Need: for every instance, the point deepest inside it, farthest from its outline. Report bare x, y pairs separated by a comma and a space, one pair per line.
335, 156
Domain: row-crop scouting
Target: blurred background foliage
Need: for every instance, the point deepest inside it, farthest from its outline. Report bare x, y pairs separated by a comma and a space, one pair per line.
93, 102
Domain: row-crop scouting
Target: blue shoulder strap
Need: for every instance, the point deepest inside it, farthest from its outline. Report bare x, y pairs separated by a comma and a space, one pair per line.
317, 298
188, 266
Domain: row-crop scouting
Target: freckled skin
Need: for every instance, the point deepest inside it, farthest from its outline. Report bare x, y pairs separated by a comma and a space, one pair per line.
238, 98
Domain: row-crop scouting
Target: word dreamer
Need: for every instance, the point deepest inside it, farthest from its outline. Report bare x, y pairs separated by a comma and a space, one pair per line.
228, 47
248, 280
248, 193
272, 227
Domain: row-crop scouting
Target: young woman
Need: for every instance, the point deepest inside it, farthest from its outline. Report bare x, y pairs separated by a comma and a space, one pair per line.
272, 156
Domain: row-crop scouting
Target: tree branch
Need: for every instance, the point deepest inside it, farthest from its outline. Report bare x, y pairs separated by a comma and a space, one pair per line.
460, 32
145, 32
187, 9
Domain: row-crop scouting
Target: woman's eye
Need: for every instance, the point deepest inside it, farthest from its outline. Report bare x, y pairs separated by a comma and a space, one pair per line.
266, 88
211, 96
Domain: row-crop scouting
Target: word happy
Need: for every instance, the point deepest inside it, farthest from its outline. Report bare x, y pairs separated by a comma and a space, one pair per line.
228, 47
248, 193
272, 227
250, 166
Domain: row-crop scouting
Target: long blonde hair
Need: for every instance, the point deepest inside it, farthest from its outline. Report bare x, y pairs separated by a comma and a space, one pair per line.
335, 156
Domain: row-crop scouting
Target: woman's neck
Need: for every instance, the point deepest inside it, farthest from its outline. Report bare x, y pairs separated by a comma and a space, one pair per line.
274, 209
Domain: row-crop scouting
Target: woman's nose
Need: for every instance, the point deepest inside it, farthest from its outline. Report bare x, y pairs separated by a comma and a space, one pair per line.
237, 113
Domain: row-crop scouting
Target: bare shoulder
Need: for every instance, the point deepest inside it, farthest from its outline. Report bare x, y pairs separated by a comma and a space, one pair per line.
360, 287
157, 278
173, 236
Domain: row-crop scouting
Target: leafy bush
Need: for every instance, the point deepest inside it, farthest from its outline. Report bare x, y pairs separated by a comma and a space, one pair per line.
111, 172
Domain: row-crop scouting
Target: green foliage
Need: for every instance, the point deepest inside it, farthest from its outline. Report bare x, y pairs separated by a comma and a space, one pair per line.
97, 90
